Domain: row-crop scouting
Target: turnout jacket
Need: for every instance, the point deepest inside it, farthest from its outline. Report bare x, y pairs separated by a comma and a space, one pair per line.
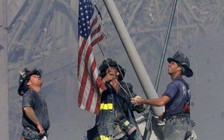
116, 109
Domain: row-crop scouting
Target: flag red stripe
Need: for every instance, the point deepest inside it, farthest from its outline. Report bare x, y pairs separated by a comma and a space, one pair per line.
97, 30
94, 22
82, 87
80, 53
97, 105
97, 40
93, 67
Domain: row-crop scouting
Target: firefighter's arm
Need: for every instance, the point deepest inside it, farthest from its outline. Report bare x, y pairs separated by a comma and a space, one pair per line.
153, 102
31, 115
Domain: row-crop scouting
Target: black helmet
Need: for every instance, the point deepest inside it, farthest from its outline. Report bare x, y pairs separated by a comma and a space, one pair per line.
183, 61
24, 78
108, 62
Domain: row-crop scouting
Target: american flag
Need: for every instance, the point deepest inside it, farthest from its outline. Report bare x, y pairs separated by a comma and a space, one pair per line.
88, 78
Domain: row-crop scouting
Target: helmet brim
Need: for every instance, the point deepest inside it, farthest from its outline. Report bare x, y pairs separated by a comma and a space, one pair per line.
188, 71
170, 59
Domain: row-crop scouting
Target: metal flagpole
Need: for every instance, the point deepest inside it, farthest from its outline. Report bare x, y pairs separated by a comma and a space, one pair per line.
133, 54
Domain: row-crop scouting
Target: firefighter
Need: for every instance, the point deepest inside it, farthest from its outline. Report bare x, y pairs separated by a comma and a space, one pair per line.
176, 98
116, 119
35, 119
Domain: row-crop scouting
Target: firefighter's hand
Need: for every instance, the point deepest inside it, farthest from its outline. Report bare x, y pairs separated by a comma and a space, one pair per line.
111, 75
41, 129
115, 85
108, 78
137, 101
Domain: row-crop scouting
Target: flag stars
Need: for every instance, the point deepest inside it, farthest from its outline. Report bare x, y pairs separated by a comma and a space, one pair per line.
85, 15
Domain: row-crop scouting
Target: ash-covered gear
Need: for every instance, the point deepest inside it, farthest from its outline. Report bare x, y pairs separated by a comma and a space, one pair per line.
116, 119
30, 134
182, 61
24, 78
37, 102
39, 105
178, 124
193, 136
178, 127
35, 119
108, 62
